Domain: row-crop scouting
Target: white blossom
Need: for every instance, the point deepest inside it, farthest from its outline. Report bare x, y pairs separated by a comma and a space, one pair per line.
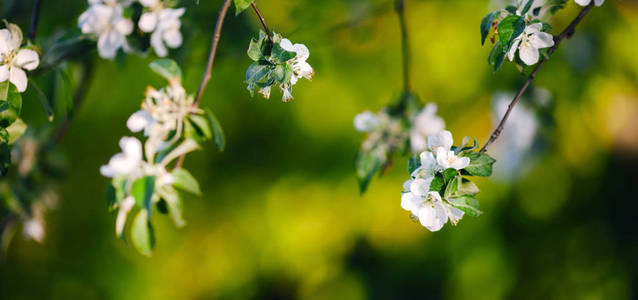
13, 59
443, 139
299, 65
425, 123
448, 159
164, 23
431, 211
105, 19
128, 162
366, 121
529, 42
125, 207
587, 2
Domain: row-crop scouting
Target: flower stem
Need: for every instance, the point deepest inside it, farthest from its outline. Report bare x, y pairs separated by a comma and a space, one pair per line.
211, 60
405, 44
263, 21
34, 20
567, 33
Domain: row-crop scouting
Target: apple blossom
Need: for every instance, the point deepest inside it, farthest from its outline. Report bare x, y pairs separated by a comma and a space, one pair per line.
424, 124
300, 67
14, 59
105, 19
529, 42
163, 23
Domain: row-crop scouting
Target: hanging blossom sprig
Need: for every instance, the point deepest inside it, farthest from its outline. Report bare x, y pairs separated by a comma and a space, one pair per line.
141, 177
277, 61
490, 21
439, 188
112, 23
401, 127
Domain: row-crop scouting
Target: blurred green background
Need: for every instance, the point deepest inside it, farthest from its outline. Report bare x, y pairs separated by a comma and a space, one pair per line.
281, 217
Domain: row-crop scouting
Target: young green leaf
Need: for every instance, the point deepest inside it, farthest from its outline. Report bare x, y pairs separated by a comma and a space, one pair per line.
437, 184
449, 173
175, 205
142, 190
468, 204
142, 233
452, 187
413, 163
527, 6
468, 188
4, 90
12, 107
497, 56
486, 24
254, 50
281, 55
201, 125
367, 164
480, 164
509, 29
241, 5
167, 68
185, 181
220, 137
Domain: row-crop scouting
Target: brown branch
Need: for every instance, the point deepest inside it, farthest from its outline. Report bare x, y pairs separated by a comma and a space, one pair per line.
567, 33
34, 20
263, 21
405, 45
211, 60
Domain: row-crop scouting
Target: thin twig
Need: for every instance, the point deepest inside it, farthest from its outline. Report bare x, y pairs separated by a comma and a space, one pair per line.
405, 45
263, 21
567, 33
78, 99
211, 60
34, 20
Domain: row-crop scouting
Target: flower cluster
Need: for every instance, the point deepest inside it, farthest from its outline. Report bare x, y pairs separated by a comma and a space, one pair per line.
15, 58
277, 61
140, 176
438, 189
111, 22
400, 128
520, 29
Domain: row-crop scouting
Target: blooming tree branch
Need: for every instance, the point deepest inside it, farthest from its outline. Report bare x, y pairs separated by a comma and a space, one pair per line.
262, 20
566, 33
209, 64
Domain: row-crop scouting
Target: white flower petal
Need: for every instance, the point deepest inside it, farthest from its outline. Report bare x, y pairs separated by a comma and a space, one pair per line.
421, 186
27, 59
541, 40
4, 73
19, 78
599, 2
433, 216
302, 52
411, 202
583, 2
366, 121
512, 52
148, 21
173, 38
5, 42
158, 44
461, 163
109, 43
132, 148
454, 214
443, 139
140, 120
528, 54
286, 44
124, 26
125, 207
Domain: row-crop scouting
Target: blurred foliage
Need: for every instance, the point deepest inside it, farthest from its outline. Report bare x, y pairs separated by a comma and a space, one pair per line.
281, 216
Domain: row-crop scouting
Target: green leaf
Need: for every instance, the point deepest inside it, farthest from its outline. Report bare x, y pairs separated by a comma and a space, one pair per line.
5, 158
497, 56
220, 137
167, 68
4, 90
110, 196
511, 9
547, 28
254, 50
468, 204
437, 184
527, 6
16, 130
13, 106
175, 205
509, 29
486, 24
367, 164
48, 109
452, 187
449, 173
185, 181
480, 164
142, 190
281, 55
468, 188
241, 5
256, 72
142, 234
201, 125
413, 163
